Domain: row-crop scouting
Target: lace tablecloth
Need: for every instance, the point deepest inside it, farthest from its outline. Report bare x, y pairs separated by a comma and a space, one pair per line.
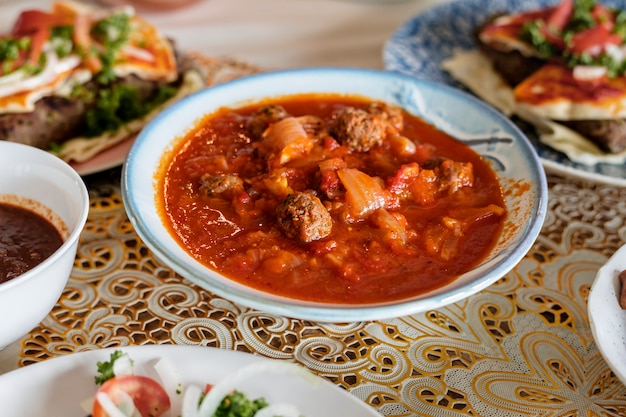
522, 347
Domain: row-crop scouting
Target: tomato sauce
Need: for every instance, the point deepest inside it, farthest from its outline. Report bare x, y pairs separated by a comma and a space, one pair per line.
401, 222
26, 240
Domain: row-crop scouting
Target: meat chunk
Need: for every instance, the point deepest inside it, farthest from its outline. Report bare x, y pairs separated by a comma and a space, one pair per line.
222, 186
451, 175
608, 134
437, 177
57, 119
358, 129
513, 66
53, 120
391, 115
262, 118
302, 217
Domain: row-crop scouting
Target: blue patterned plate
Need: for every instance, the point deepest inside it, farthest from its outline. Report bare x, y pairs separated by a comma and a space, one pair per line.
419, 46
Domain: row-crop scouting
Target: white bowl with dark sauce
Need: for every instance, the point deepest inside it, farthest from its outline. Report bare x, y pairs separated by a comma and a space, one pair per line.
38, 192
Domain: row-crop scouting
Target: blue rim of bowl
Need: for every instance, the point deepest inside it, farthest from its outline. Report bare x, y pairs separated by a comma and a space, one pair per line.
324, 312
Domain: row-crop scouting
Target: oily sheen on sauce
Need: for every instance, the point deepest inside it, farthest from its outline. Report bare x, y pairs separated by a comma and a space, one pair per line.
409, 212
26, 240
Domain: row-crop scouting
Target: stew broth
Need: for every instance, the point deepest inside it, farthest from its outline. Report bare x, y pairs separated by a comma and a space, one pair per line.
369, 204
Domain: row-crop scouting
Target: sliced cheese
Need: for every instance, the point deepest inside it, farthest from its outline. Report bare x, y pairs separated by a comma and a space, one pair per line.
21, 95
474, 70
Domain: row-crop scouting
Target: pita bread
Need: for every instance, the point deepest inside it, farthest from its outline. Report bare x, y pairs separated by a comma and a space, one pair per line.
474, 70
206, 71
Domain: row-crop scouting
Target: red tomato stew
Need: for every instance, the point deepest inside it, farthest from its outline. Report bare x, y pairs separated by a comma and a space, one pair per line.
330, 198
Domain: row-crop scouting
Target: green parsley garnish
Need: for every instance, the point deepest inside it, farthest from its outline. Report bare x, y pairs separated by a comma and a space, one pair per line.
112, 32
581, 16
532, 33
581, 19
119, 104
105, 369
10, 49
62, 39
237, 404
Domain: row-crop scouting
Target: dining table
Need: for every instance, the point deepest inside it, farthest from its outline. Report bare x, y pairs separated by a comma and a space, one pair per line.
523, 346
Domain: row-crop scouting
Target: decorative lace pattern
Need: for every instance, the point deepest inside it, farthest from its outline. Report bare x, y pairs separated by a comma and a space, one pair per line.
522, 347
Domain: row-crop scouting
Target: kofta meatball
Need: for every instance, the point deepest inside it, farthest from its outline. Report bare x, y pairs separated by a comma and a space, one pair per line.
262, 118
451, 175
391, 115
302, 216
358, 129
222, 185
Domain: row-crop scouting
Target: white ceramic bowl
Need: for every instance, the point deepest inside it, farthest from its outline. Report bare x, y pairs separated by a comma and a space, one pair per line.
451, 110
28, 173
607, 318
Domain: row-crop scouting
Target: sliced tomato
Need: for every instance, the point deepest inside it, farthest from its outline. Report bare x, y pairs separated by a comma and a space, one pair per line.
36, 24
37, 41
30, 21
553, 37
513, 24
593, 40
82, 38
149, 397
560, 15
604, 16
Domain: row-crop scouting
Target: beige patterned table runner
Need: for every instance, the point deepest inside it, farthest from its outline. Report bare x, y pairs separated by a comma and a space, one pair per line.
522, 347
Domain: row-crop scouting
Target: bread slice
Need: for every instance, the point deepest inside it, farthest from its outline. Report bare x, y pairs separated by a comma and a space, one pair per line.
474, 70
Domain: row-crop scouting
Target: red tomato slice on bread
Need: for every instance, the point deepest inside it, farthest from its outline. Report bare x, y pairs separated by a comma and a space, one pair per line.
31, 21
593, 40
148, 395
560, 15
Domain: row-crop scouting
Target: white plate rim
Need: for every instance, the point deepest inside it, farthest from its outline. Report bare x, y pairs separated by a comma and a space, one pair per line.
19, 386
607, 319
107, 159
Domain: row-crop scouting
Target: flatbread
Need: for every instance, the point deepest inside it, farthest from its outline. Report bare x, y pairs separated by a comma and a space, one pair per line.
554, 93
474, 70
206, 71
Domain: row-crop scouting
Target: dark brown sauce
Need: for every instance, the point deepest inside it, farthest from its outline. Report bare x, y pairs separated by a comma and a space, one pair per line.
26, 240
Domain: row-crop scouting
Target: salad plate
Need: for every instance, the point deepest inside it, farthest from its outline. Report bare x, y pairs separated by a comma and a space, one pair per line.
421, 44
606, 318
35, 390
